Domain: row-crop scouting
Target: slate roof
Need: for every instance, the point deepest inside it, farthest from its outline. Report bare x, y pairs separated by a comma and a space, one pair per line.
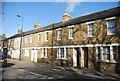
91, 17
86, 18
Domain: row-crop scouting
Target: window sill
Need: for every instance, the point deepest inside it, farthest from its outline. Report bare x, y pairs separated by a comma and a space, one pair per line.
62, 58
43, 57
106, 61
71, 38
58, 39
90, 36
111, 34
46, 41
39, 41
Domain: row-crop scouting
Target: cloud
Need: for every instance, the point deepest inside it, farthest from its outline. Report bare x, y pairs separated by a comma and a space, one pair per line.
71, 6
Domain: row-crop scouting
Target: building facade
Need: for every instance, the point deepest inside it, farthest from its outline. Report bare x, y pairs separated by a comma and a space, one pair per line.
91, 41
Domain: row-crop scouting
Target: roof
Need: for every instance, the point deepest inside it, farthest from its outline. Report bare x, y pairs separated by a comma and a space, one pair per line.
86, 18
91, 17
34, 31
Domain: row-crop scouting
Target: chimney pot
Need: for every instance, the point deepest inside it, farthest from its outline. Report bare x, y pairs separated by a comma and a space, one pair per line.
20, 31
66, 17
37, 26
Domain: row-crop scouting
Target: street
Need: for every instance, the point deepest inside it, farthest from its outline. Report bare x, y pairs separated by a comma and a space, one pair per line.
28, 70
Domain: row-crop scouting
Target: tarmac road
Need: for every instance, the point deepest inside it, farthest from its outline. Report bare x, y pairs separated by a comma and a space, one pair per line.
28, 70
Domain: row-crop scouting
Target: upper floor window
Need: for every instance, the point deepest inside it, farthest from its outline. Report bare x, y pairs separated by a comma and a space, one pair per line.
71, 32
39, 37
30, 38
47, 36
91, 30
59, 36
111, 29
25, 39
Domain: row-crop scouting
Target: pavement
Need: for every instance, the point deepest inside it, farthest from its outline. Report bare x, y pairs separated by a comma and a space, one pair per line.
17, 69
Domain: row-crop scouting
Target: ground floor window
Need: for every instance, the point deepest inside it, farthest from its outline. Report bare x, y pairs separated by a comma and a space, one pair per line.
44, 53
106, 53
26, 52
61, 53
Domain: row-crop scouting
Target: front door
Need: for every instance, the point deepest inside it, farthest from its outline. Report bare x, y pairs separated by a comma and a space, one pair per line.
76, 57
34, 55
84, 57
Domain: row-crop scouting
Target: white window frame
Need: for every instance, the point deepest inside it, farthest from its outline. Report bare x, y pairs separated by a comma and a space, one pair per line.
59, 54
101, 54
59, 36
39, 37
71, 36
26, 39
31, 38
46, 35
89, 29
42, 54
26, 52
108, 19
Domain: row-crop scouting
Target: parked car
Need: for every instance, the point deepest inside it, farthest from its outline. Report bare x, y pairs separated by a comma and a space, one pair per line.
3, 60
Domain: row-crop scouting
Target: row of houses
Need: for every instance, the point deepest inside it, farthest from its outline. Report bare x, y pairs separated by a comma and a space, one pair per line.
3, 44
91, 41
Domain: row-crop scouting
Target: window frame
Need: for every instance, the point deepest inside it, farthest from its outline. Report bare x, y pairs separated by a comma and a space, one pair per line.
44, 53
109, 19
31, 38
26, 39
71, 34
59, 54
111, 54
59, 35
46, 35
39, 37
90, 29
26, 51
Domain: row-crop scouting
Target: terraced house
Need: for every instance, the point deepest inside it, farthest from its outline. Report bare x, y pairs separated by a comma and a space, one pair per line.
91, 41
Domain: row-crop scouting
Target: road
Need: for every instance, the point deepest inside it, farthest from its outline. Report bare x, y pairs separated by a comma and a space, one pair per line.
28, 70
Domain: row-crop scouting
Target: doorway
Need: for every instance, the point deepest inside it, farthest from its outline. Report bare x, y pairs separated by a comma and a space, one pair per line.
85, 49
76, 57
34, 55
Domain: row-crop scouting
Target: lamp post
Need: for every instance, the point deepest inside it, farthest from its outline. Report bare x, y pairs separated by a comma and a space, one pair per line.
21, 38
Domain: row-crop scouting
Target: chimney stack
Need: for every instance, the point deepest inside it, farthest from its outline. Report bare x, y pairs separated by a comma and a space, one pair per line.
36, 26
66, 17
3, 34
20, 31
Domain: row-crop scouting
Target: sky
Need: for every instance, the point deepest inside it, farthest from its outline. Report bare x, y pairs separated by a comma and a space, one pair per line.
44, 13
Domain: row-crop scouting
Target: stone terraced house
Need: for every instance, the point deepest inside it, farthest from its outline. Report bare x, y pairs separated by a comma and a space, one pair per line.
91, 41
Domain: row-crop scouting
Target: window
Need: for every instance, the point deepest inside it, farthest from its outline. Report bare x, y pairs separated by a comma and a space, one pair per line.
25, 39
47, 34
44, 53
98, 57
106, 53
91, 29
39, 37
59, 35
26, 52
30, 38
111, 27
61, 54
114, 53
71, 32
